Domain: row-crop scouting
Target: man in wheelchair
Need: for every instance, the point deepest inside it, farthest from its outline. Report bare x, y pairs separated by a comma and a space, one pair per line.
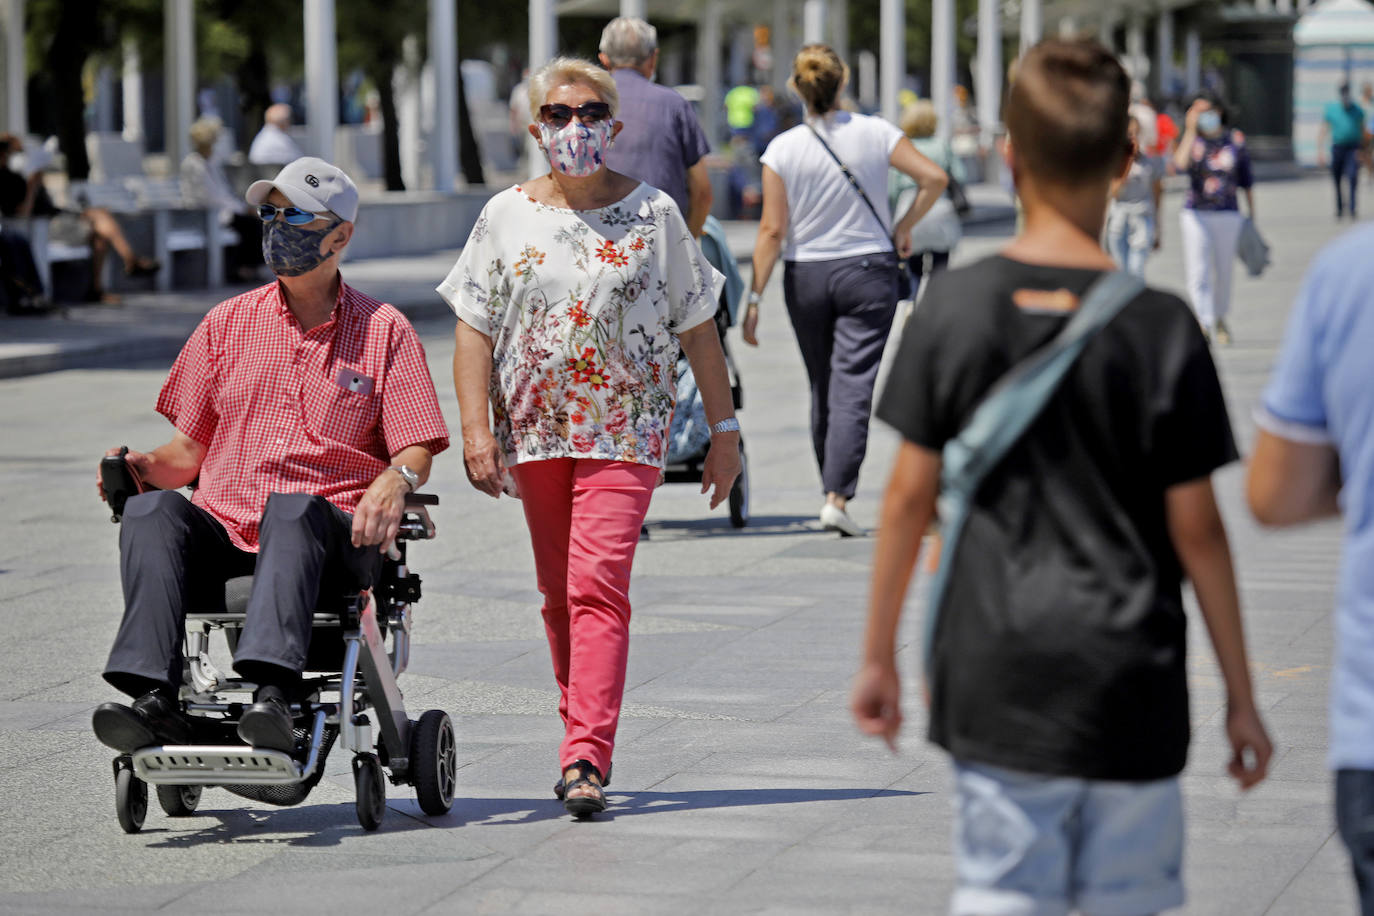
304, 414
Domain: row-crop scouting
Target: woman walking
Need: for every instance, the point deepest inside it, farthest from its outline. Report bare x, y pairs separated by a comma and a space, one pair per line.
1217, 164
940, 230
1133, 215
820, 180
573, 295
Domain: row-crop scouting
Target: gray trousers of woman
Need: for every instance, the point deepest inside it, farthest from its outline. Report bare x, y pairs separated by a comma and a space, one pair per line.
841, 312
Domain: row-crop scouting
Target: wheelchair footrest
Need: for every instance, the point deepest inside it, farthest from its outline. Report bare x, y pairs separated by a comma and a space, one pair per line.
211, 765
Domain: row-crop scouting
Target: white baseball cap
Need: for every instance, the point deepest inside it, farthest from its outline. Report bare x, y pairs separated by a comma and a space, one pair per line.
311, 184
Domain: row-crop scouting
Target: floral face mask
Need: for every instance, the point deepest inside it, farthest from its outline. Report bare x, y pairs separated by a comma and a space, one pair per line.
577, 150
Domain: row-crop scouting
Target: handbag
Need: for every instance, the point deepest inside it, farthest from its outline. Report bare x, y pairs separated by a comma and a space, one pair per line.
1004, 415
905, 288
957, 195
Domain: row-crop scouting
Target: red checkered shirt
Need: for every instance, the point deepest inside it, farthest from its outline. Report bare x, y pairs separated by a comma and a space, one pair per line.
282, 410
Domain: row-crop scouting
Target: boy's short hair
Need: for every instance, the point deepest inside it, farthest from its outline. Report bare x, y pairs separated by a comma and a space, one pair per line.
1067, 110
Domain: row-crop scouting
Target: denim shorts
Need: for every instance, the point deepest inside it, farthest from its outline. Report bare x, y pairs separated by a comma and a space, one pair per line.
1033, 845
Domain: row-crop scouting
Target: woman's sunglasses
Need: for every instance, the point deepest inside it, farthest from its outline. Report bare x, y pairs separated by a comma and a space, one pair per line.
557, 116
294, 216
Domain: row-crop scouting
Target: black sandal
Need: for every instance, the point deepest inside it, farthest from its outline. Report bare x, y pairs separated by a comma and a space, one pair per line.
560, 790
581, 806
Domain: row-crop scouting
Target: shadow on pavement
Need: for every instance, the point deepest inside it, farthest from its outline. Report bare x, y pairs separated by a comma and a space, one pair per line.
500, 811
304, 826
719, 526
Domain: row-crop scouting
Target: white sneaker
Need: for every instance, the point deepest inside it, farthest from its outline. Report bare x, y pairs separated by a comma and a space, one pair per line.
833, 518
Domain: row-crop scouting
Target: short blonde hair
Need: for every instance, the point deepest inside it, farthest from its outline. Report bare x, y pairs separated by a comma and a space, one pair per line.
919, 119
565, 71
205, 131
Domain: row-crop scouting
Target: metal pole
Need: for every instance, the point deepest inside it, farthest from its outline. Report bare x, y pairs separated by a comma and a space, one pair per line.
990, 68
1032, 23
709, 71
892, 52
1192, 55
839, 29
179, 38
1138, 65
16, 97
941, 65
543, 41
443, 52
632, 9
1164, 51
132, 79
814, 14
780, 39
321, 76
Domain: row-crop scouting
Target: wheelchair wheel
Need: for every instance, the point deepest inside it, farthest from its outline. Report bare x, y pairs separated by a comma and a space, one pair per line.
371, 788
131, 797
179, 801
434, 761
739, 493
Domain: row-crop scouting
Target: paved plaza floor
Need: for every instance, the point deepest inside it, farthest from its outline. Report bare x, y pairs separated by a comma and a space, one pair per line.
740, 784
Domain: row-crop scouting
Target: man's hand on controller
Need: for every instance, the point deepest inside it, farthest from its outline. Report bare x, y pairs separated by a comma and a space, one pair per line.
137, 460
378, 516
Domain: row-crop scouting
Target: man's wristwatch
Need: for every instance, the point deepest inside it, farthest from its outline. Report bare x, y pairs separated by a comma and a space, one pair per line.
728, 425
753, 298
411, 478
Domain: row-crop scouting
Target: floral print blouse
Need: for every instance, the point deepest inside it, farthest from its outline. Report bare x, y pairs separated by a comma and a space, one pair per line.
1217, 167
583, 308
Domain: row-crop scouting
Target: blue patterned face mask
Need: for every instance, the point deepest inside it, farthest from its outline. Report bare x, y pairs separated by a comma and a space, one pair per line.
291, 250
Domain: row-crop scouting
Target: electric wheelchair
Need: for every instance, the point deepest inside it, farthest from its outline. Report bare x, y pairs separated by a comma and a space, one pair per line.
350, 679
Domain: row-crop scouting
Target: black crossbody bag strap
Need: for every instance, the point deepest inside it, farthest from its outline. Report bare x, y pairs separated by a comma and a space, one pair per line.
858, 188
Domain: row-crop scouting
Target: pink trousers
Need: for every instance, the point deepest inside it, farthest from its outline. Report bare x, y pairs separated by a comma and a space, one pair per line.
584, 518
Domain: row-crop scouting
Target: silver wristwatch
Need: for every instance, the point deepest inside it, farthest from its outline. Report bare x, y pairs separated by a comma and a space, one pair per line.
411, 478
728, 425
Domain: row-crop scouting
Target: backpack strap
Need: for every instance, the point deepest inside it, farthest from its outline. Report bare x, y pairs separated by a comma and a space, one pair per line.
1004, 415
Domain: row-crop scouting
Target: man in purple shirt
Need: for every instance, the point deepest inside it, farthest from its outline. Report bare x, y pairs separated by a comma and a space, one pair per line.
662, 143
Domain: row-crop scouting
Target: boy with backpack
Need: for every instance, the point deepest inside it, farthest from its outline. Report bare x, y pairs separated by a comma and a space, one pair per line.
1055, 659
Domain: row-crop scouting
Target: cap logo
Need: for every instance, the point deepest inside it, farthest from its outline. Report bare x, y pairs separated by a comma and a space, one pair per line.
312, 181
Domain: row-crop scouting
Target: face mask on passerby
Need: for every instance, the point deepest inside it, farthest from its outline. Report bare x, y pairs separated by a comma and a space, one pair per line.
290, 251
576, 149
1209, 122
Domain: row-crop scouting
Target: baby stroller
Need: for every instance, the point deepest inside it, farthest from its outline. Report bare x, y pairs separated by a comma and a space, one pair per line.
689, 436
349, 673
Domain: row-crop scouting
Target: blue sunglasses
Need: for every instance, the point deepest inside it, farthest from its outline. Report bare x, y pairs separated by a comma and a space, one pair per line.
294, 216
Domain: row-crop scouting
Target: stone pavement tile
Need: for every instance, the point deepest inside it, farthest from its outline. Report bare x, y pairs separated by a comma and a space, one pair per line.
27, 714
1242, 872
135, 899
1325, 884
873, 882
568, 898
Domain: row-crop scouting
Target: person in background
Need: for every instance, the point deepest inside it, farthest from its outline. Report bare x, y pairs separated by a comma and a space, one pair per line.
273, 145
662, 143
934, 237
204, 184
1312, 460
22, 195
840, 260
1057, 669
1214, 157
573, 296
1133, 215
1342, 124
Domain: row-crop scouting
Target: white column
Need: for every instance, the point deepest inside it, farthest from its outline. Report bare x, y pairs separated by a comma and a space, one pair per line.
814, 15
1264, 5
990, 67
708, 70
1284, 6
321, 77
1032, 23
1164, 50
132, 80
839, 29
179, 77
1106, 31
892, 53
1136, 62
868, 79
16, 110
780, 37
1192, 56
443, 52
543, 46
406, 83
1068, 27
632, 9
942, 65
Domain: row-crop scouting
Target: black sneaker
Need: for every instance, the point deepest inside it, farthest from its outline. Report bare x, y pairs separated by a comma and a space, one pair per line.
267, 723
152, 719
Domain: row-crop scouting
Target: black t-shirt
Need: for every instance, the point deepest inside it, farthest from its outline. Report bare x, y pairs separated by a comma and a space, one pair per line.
1060, 648
14, 188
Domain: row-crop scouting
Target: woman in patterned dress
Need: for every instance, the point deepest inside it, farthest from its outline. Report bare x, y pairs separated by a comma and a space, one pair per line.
573, 295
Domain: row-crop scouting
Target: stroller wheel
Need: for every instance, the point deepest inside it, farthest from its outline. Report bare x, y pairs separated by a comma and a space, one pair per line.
434, 761
739, 493
178, 801
131, 796
371, 789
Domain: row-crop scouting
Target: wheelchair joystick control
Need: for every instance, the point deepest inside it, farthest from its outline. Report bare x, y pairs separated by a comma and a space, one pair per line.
119, 482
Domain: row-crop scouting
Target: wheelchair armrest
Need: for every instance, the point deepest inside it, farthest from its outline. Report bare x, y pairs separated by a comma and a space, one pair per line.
421, 499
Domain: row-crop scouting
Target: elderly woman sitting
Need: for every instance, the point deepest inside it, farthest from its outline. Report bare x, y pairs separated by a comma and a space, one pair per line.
573, 295
204, 184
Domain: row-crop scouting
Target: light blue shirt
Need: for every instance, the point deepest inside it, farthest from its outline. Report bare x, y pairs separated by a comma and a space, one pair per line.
1322, 391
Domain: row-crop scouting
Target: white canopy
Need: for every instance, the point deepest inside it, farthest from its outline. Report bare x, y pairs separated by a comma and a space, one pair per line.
1336, 22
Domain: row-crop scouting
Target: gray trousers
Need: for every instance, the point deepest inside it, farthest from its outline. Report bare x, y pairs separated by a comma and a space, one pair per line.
842, 312
175, 556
